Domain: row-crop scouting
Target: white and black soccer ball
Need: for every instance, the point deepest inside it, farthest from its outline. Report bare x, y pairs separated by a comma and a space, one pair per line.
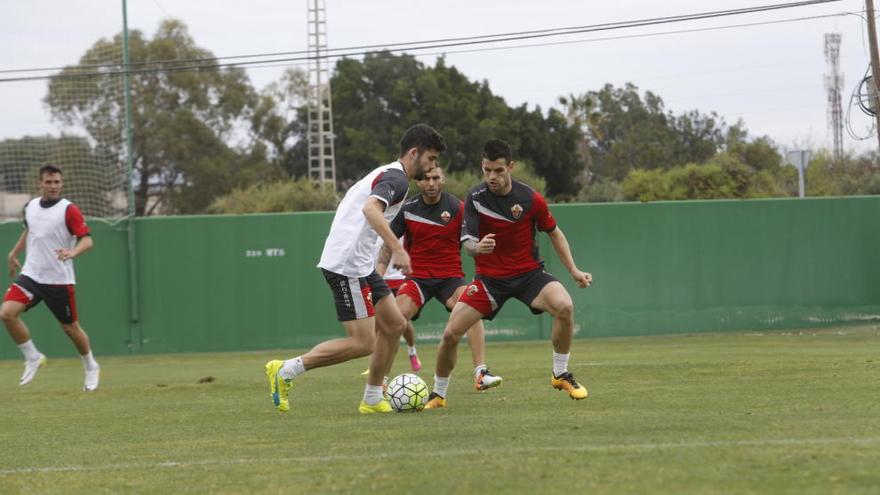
408, 393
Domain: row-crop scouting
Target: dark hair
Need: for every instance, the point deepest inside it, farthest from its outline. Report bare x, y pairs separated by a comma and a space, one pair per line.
495, 149
48, 169
423, 137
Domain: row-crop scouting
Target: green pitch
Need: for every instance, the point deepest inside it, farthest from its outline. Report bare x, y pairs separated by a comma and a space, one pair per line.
710, 413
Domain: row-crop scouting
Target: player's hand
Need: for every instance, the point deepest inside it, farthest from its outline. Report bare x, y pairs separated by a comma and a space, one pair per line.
402, 262
64, 254
14, 265
583, 279
486, 244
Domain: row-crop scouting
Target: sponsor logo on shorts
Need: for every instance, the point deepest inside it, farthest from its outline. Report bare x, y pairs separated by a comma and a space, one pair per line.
516, 210
445, 216
472, 289
346, 297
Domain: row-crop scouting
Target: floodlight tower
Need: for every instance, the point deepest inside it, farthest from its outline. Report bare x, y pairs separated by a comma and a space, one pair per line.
322, 159
833, 86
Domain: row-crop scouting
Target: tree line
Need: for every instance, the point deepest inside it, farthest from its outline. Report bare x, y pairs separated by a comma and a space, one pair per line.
209, 141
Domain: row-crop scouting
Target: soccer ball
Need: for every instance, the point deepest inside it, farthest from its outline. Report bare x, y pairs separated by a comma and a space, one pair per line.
408, 393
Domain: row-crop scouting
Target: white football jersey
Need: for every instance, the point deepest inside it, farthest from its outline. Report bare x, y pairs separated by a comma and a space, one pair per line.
48, 232
348, 249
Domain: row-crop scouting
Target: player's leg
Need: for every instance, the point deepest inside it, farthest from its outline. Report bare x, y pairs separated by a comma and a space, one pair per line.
483, 378
81, 341
463, 317
359, 343
410, 300
354, 309
61, 300
390, 325
409, 336
16, 302
554, 299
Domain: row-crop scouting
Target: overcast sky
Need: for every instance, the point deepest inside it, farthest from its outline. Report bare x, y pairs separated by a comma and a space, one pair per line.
770, 76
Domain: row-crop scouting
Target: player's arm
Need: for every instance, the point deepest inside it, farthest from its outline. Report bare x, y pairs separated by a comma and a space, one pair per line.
374, 212
76, 225
470, 232
383, 259
12, 258
484, 246
83, 244
563, 250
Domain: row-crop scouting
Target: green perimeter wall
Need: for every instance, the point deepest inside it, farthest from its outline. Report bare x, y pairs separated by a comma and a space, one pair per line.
223, 283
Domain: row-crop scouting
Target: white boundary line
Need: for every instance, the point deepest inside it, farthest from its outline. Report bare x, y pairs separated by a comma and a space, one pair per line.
459, 452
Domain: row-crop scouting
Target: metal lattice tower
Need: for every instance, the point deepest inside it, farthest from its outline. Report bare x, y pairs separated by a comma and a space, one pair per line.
322, 159
833, 86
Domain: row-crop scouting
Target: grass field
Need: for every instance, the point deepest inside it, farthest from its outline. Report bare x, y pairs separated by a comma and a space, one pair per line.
795, 412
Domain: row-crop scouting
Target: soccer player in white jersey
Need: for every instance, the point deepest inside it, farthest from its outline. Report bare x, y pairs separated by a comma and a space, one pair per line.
55, 233
364, 304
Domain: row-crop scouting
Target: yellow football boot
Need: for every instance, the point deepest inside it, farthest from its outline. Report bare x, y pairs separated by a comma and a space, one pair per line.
567, 382
435, 401
278, 386
383, 406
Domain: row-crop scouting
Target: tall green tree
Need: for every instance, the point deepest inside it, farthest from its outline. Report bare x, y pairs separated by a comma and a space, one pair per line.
377, 98
184, 121
631, 131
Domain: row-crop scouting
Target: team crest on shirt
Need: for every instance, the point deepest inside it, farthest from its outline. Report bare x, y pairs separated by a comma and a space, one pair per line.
516, 210
445, 216
472, 289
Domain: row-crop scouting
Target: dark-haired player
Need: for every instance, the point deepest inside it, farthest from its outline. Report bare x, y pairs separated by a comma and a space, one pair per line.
501, 218
430, 225
364, 303
55, 233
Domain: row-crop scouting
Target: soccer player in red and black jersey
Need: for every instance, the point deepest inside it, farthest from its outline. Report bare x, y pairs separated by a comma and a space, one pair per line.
501, 217
55, 233
430, 225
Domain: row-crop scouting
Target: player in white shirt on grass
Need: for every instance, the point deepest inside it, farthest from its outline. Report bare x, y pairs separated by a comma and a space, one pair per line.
364, 304
55, 233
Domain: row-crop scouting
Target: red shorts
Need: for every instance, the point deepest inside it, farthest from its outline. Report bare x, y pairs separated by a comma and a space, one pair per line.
61, 299
487, 295
394, 284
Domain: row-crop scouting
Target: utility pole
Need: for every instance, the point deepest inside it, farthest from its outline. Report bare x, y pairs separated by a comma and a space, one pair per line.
875, 62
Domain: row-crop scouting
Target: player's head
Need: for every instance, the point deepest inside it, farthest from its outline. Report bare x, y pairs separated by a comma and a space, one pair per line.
420, 149
497, 165
50, 182
432, 184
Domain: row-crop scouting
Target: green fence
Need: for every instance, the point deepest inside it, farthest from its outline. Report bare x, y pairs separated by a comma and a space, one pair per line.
249, 282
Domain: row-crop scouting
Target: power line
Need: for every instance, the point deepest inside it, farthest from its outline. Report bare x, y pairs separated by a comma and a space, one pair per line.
409, 46
558, 31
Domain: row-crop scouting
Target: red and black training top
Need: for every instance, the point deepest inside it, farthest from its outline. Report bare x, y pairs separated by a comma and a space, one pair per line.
514, 219
432, 236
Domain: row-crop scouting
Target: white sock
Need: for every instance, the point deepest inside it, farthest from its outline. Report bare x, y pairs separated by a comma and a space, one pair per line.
478, 368
89, 362
441, 385
29, 350
372, 394
560, 363
411, 349
292, 368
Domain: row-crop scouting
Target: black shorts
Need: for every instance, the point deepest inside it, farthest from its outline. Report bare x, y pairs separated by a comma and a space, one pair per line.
487, 295
354, 297
61, 299
421, 290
